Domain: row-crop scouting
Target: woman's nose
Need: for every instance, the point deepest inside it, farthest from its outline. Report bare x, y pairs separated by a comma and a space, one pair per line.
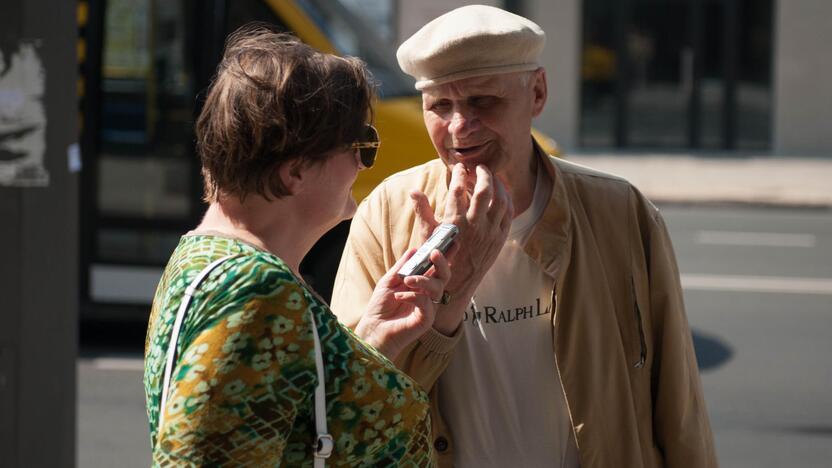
357, 155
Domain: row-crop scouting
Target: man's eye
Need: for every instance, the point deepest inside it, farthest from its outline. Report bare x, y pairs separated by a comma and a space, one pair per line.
483, 101
440, 106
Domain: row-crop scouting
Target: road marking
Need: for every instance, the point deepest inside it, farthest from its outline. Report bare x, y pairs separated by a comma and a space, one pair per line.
764, 239
115, 364
775, 284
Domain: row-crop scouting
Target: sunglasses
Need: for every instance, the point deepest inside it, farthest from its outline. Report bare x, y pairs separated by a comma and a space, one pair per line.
368, 146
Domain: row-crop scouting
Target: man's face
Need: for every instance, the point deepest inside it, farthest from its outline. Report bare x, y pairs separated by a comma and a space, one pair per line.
485, 120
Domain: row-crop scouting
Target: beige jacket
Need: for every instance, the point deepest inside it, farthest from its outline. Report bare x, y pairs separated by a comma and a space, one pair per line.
622, 343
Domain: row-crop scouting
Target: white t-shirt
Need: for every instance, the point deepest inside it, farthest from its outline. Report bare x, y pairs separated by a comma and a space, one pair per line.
501, 395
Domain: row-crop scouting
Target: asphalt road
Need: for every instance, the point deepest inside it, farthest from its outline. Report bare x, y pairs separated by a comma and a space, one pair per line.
758, 289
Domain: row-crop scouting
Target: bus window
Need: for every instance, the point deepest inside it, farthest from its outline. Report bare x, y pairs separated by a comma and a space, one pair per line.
143, 189
146, 112
351, 34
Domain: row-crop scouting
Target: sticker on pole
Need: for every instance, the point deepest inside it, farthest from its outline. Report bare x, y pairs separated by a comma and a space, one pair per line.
22, 117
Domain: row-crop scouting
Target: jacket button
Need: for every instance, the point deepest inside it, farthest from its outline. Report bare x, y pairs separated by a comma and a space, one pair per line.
440, 444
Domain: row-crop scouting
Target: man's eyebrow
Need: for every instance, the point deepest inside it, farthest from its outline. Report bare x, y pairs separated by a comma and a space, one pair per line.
486, 89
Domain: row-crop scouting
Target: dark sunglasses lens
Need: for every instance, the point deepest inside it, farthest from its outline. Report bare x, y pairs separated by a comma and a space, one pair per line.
368, 155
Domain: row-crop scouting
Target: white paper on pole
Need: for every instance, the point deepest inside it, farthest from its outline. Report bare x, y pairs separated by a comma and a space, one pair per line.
22, 117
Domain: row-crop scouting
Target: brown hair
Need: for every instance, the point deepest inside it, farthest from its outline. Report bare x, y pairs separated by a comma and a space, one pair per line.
273, 100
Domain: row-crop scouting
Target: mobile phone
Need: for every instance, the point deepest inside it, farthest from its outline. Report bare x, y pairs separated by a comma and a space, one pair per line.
440, 240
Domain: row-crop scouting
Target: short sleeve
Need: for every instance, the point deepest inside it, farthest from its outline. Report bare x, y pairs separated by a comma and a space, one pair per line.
241, 383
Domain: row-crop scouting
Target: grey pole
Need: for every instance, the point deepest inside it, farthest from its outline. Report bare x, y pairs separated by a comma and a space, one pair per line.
38, 233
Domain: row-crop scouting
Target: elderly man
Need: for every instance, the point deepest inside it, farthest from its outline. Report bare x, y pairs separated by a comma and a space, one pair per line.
563, 339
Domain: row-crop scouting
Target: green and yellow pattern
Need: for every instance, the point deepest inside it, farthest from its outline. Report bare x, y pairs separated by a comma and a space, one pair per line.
241, 393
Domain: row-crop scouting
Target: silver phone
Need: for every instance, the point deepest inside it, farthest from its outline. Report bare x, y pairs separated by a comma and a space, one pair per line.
440, 240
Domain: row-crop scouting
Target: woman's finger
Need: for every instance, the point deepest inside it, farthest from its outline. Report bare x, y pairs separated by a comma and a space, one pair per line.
409, 296
432, 287
391, 276
421, 313
423, 303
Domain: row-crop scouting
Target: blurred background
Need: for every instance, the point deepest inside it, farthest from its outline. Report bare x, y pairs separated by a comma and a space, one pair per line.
719, 110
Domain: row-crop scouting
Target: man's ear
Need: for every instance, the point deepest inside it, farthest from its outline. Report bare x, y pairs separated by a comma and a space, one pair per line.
291, 175
540, 91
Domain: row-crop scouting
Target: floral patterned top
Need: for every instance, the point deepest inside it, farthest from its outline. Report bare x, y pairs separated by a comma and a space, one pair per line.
241, 392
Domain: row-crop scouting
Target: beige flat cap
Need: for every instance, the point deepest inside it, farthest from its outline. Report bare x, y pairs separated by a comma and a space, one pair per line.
473, 40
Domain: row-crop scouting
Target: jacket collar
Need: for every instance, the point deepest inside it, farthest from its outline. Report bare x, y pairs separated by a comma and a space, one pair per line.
549, 241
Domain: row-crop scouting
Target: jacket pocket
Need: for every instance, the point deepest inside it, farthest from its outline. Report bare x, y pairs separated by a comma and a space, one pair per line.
642, 354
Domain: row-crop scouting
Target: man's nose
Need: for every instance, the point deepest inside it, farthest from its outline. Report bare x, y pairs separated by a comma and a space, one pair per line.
463, 122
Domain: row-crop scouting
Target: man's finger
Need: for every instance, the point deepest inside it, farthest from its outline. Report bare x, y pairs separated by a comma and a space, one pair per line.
424, 213
456, 204
441, 267
483, 193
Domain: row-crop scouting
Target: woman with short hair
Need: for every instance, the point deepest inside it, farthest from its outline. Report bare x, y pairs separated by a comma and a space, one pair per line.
282, 135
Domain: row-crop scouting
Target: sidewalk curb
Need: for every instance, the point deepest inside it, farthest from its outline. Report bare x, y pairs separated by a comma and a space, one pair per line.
728, 203
703, 180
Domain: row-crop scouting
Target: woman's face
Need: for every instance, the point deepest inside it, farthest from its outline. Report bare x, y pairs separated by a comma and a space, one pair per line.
330, 198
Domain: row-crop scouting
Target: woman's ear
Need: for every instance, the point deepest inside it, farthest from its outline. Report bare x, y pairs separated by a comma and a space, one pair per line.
292, 175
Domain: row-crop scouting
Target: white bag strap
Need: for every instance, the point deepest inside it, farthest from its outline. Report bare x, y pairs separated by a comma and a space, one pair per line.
324, 443
177, 324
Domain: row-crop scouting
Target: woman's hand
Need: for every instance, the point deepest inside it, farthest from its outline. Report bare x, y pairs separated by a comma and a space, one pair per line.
402, 309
